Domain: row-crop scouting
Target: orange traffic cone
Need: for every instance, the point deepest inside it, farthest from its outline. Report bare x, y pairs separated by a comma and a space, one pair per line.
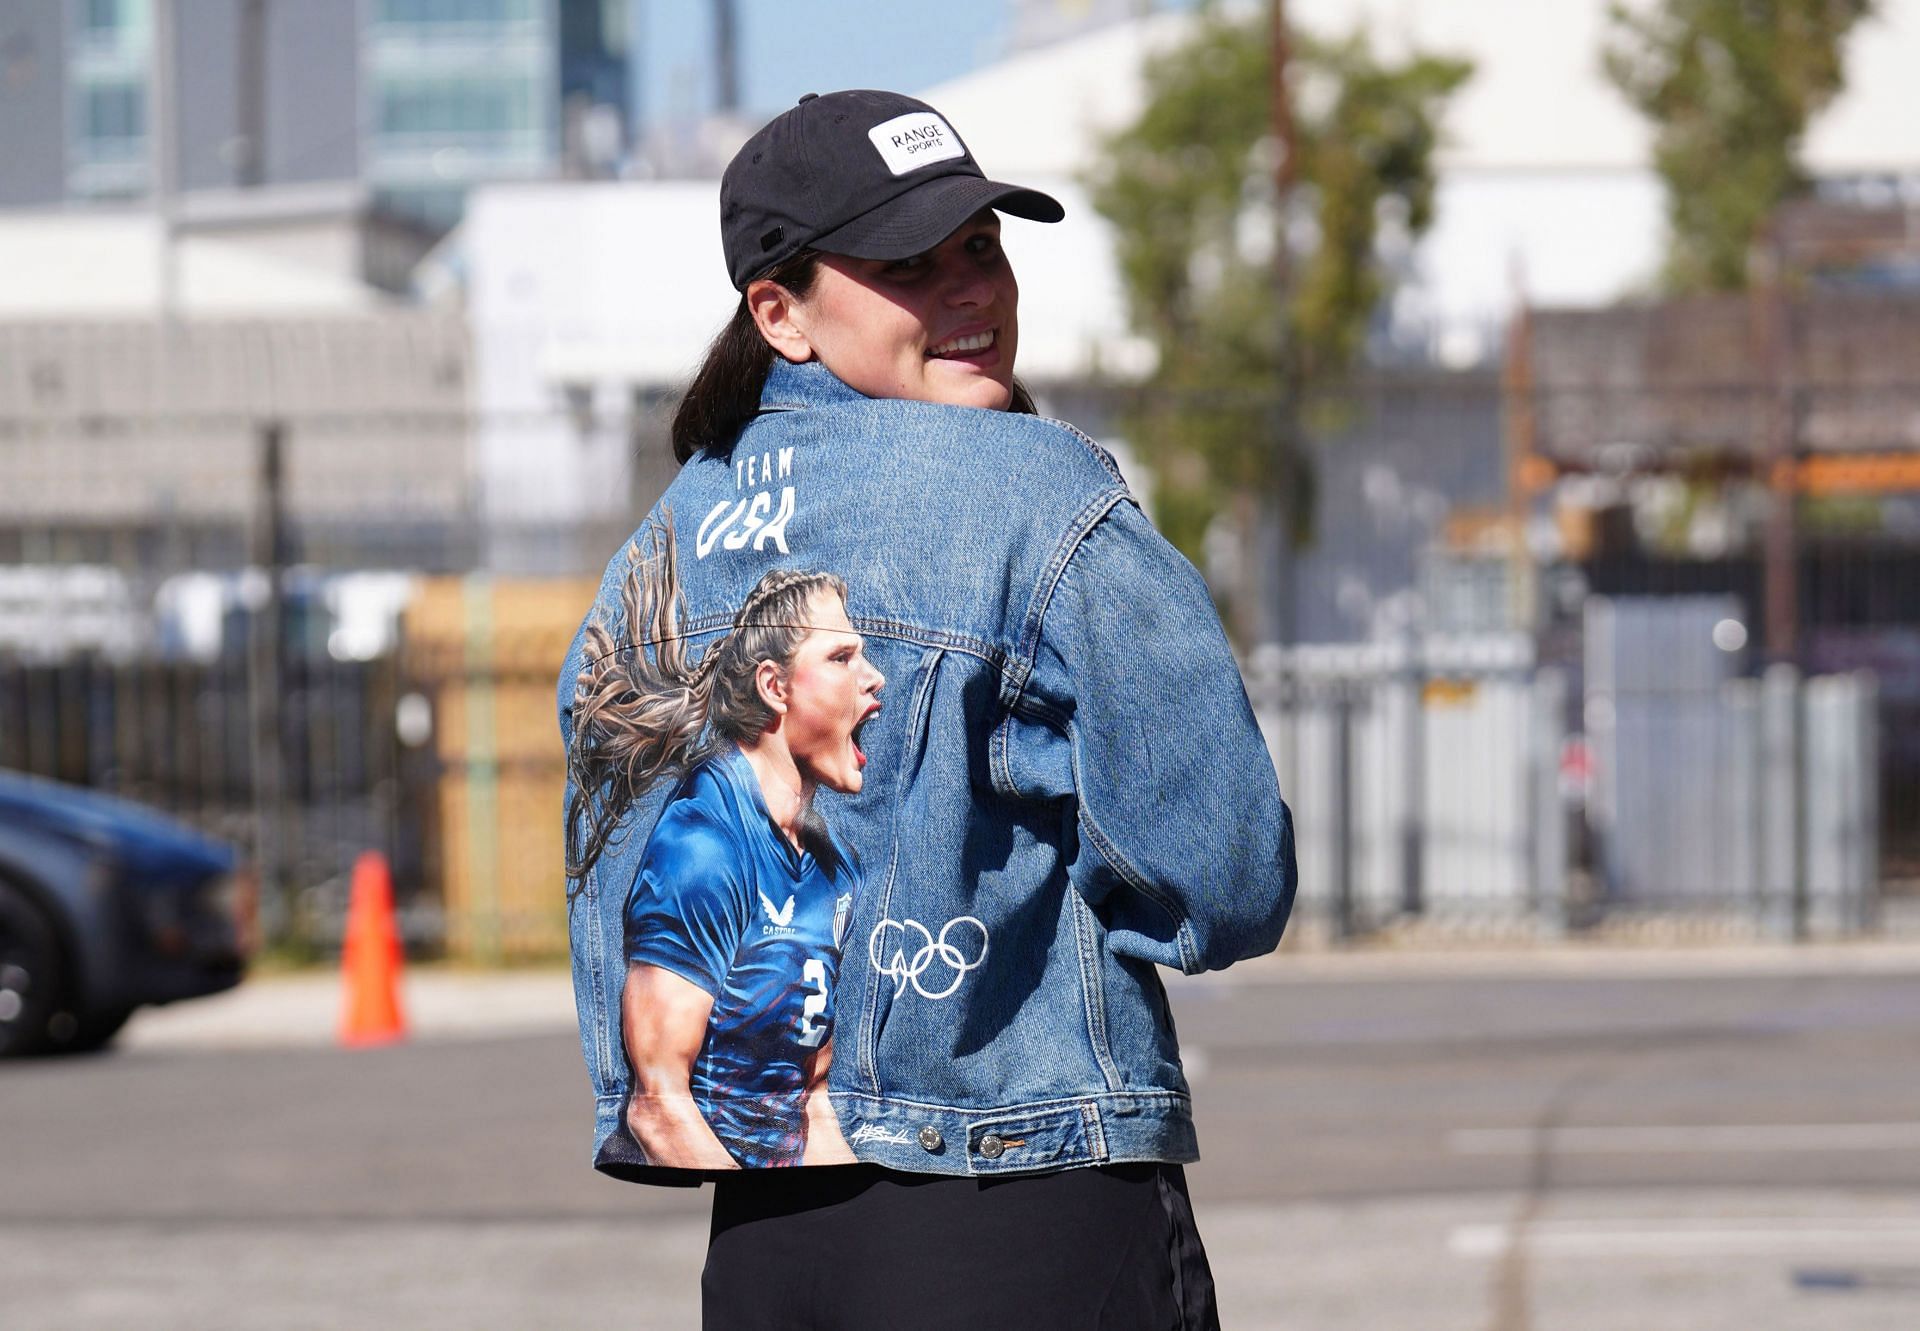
370, 959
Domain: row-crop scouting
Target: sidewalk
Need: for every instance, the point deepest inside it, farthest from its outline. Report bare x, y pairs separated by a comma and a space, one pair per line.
302, 1009
1436, 957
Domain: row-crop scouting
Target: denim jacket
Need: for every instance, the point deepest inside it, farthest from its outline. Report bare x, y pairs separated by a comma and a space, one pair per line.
1065, 788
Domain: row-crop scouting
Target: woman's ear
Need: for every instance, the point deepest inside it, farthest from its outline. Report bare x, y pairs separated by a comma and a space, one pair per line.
773, 308
770, 682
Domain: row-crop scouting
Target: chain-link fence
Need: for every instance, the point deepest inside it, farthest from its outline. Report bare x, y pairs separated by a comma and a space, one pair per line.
1458, 784
294, 587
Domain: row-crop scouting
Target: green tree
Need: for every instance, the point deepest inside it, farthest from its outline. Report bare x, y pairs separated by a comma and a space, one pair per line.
1190, 189
1729, 86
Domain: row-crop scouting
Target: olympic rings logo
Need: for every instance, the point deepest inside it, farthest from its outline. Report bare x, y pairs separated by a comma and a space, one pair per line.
907, 970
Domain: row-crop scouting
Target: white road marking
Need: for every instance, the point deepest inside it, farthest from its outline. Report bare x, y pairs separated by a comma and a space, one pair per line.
1758, 1237
1729, 1138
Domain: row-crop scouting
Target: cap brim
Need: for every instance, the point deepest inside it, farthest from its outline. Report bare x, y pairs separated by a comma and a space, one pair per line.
914, 222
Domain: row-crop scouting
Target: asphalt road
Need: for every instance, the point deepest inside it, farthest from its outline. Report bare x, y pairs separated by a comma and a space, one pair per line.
1515, 1153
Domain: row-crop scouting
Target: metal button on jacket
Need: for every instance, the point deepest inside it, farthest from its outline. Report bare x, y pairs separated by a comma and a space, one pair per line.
991, 1146
930, 1138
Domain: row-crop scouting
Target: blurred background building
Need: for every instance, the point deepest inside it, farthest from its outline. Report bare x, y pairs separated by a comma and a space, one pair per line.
337, 343
415, 100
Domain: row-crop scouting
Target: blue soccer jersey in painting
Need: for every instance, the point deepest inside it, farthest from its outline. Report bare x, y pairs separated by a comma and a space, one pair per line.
726, 902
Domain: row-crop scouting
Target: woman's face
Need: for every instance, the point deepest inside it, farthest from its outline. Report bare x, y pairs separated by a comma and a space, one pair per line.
939, 327
829, 691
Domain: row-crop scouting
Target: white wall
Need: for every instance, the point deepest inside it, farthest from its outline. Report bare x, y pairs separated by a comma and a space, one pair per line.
594, 285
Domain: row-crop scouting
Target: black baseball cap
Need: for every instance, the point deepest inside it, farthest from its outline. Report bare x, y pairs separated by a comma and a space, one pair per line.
872, 175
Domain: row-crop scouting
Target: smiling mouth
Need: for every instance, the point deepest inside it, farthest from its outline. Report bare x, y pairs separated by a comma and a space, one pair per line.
971, 344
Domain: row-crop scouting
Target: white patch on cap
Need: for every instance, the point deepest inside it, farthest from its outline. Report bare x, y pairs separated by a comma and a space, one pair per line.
909, 142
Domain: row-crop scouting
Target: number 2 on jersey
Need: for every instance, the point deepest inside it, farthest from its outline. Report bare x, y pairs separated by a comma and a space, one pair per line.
813, 1026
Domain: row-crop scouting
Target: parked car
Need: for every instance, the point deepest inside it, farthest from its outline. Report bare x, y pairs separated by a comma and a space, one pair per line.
105, 906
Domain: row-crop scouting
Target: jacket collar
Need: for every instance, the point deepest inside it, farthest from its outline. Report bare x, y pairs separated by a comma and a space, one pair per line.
810, 385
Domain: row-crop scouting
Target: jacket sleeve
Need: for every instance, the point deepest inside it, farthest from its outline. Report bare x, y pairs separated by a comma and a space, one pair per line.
1185, 846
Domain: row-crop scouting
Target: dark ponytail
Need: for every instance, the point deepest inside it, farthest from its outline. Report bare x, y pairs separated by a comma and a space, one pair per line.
725, 392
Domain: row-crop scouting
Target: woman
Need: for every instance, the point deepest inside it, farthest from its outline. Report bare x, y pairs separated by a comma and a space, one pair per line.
1068, 791
741, 886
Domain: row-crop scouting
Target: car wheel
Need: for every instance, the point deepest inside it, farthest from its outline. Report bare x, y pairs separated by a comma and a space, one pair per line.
29, 973
83, 1032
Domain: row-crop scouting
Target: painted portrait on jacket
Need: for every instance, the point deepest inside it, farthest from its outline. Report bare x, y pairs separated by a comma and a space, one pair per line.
737, 916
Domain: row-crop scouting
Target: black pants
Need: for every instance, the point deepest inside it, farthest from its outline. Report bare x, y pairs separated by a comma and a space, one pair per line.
858, 1247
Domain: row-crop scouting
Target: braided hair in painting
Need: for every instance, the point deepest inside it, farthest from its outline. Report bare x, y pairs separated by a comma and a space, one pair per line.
644, 711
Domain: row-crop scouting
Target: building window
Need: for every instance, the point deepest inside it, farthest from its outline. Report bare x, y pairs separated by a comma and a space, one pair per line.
456, 106
438, 207
456, 11
107, 96
101, 17
114, 112
104, 25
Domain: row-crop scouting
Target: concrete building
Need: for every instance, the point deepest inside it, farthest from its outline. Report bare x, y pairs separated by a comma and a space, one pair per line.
418, 100
138, 444
141, 371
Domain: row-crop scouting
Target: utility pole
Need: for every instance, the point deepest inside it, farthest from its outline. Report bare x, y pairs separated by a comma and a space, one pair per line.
250, 113
726, 57
1271, 581
1286, 169
163, 150
267, 678
1519, 439
1772, 317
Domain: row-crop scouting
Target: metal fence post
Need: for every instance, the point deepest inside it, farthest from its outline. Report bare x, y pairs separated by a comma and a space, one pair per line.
1783, 860
1842, 819
1549, 815
1342, 903
1413, 760
266, 681
1867, 841
1743, 793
